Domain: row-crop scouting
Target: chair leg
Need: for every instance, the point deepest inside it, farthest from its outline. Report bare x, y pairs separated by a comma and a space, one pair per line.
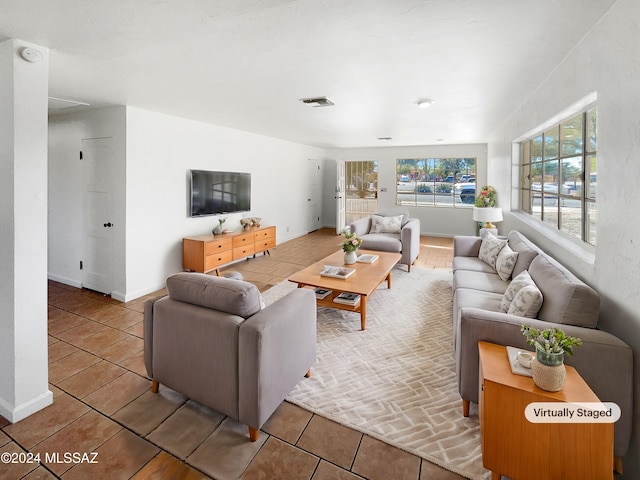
253, 434
308, 374
154, 386
465, 407
617, 464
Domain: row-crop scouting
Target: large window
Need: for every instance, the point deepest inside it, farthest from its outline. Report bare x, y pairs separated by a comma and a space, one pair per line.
558, 176
436, 181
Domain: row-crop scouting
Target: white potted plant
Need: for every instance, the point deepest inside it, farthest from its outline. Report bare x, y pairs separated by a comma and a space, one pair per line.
551, 344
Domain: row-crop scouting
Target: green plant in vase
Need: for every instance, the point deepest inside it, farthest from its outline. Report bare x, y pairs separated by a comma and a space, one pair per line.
551, 344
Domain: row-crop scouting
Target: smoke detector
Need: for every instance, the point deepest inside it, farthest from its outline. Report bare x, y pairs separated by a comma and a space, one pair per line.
31, 55
317, 101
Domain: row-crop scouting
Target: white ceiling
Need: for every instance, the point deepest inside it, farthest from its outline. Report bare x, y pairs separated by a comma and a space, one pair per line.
246, 63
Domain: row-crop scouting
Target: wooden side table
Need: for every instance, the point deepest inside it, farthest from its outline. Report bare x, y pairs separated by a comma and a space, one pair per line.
519, 449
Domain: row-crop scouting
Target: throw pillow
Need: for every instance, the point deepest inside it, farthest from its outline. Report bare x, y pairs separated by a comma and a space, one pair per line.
490, 248
521, 280
505, 262
380, 224
527, 302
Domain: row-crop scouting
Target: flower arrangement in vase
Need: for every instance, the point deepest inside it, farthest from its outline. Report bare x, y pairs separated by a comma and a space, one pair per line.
486, 197
551, 344
350, 244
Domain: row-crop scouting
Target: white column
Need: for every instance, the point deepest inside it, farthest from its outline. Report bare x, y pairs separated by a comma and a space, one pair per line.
23, 231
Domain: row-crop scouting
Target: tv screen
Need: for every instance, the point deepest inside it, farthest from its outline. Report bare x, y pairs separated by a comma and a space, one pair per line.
219, 192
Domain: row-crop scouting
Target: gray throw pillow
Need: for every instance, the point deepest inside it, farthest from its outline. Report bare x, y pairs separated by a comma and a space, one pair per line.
505, 262
527, 302
520, 281
490, 248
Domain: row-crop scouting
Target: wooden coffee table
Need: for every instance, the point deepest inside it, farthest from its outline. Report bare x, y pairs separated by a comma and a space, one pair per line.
364, 282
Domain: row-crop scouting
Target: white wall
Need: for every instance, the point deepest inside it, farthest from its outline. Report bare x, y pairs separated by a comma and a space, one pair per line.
160, 151
24, 385
66, 191
157, 151
606, 62
443, 221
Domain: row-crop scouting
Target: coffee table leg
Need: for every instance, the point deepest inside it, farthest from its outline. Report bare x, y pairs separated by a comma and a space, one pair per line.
363, 312
389, 280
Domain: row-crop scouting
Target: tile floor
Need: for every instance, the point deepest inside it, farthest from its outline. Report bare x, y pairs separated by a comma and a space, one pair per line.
102, 402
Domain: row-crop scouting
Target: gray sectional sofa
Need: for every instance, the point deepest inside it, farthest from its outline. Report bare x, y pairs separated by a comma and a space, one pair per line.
604, 361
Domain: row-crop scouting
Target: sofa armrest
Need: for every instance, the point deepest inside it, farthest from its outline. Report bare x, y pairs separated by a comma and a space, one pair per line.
147, 328
410, 239
361, 226
604, 361
466, 246
277, 347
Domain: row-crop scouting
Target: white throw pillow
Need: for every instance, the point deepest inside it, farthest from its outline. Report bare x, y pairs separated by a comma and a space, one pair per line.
527, 302
505, 262
380, 224
523, 279
490, 248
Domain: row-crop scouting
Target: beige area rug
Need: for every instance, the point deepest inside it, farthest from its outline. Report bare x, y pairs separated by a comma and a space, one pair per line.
396, 380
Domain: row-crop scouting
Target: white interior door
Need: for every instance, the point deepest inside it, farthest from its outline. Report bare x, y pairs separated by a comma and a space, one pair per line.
313, 195
341, 214
98, 226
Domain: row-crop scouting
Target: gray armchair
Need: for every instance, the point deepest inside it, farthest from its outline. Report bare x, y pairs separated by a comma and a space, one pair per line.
210, 340
406, 242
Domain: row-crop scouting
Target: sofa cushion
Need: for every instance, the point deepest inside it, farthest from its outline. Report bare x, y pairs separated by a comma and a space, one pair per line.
236, 297
490, 248
467, 298
527, 251
520, 281
567, 299
505, 262
391, 224
527, 302
386, 242
482, 281
472, 264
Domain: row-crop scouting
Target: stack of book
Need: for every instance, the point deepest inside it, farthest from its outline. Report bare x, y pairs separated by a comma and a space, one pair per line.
337, 272
347, 298
322, 293
367, 258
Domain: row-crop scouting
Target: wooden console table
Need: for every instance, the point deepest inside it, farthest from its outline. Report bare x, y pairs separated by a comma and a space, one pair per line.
519, 449
205, 253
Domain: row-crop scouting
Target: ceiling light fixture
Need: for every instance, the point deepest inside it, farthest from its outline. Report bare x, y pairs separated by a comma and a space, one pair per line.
426, 103
385, 138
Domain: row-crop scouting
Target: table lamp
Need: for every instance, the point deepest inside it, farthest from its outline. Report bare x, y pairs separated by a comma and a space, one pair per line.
487, 215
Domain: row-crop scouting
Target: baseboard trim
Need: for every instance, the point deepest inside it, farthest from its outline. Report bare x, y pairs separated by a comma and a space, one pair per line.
67, 281
20, 412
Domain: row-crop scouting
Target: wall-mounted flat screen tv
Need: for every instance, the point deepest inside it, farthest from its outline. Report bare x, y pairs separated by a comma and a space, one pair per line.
213, 193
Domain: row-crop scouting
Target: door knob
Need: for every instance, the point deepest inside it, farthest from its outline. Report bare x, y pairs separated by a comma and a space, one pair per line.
108, 224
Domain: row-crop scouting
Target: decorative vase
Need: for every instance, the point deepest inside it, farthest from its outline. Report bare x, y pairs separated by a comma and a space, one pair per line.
217, 230
548, 371
350, 257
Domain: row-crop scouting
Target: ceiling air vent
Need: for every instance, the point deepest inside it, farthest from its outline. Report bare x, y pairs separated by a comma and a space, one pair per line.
317, 101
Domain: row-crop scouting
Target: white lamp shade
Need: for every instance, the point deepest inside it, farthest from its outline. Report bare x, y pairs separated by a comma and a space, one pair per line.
487, 214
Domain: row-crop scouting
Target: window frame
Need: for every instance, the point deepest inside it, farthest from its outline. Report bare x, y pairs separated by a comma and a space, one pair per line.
545, 161
442, 193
